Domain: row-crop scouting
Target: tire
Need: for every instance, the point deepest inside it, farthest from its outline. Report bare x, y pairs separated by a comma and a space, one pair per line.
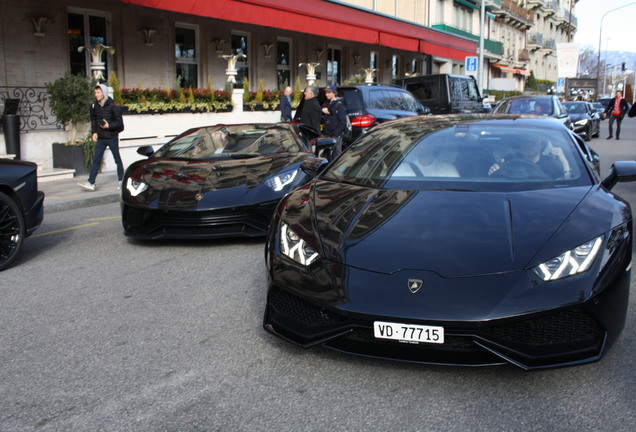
12, 230
588, 133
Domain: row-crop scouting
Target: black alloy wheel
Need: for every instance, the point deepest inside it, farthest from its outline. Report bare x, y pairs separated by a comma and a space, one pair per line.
12, 230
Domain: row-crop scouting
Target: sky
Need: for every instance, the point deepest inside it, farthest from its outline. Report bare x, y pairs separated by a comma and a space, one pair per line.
619, 27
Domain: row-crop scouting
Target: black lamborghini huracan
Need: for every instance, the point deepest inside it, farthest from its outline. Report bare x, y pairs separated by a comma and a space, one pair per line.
215, 181
463, 240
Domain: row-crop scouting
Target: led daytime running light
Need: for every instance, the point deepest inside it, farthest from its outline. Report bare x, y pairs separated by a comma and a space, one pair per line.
295, 247
572, 262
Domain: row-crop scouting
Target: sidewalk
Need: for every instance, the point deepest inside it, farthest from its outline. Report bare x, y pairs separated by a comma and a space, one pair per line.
62, 195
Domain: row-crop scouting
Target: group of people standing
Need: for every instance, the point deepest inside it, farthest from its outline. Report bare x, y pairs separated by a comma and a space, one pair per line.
328, 120
615, 112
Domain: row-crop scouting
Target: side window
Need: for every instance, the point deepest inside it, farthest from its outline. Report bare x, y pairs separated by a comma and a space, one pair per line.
424, 90
455, 90
377, 100
473, 93
396, 101
408, 103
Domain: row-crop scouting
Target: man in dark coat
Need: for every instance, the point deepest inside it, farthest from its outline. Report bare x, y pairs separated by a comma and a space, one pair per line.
285, 105
106, 123
335, 117
615, 111
310, 116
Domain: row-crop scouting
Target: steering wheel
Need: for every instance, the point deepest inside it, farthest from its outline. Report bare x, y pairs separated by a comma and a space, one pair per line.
518, 169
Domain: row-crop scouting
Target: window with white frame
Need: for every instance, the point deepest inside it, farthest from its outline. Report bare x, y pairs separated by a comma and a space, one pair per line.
395, 67
283, 61
374, 63
187, 63
334, 65
86, 29
240, 45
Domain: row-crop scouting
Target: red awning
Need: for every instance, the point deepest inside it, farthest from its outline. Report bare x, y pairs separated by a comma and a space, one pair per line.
504, 68
522, 72
324, 19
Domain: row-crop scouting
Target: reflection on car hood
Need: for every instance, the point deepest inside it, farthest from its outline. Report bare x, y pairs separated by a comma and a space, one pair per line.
177, 182
453, 233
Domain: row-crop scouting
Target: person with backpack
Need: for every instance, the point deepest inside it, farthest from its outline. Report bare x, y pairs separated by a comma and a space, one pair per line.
335, 123
106, 124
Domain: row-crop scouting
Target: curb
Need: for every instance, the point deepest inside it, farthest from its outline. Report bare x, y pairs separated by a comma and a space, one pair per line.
80, 203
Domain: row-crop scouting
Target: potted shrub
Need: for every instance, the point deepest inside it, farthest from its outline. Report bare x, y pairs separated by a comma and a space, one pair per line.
70, 97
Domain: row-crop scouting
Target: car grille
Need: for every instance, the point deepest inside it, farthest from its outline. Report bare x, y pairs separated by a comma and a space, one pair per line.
302, 311
548, 335
560, 327
248, 220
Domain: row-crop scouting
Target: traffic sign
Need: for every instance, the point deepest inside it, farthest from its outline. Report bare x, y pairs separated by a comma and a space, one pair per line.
471, 64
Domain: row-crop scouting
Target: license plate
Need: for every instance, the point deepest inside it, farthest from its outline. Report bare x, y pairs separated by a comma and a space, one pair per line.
408, 332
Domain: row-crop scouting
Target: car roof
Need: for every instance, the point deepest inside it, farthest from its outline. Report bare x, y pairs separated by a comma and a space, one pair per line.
520, 119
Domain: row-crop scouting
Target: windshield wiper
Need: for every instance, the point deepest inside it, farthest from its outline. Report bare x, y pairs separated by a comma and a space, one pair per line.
241, 155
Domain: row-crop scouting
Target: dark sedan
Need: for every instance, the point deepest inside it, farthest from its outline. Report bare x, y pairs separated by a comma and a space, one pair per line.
545, 106
585, 119
462, 240
21, 207
216, 181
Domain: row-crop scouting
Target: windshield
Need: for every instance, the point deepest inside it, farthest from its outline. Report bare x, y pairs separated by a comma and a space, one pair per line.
219, 141
537, 106
466, 156
575, 108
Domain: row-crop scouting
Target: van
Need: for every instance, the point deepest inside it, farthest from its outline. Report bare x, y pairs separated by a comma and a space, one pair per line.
445, 93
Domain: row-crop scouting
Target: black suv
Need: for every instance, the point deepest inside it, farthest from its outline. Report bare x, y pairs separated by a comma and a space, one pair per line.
368, 105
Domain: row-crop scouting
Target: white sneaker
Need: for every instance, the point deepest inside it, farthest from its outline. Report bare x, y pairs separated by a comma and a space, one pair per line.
88, 186
119, 185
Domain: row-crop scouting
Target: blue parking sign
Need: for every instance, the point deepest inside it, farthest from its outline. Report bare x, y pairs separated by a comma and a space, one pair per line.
471, 64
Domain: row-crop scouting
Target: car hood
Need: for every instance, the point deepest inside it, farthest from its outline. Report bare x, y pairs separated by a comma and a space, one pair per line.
186, 184
455, 234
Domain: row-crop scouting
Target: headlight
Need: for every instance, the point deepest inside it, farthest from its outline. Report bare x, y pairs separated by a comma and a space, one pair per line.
279, 181
572, 262
582, 122
294, 247
135, 187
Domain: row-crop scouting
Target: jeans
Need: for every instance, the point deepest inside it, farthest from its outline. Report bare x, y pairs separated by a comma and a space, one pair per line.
100, 147
618, 119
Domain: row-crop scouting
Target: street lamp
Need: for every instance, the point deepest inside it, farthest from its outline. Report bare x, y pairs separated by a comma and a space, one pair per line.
600, 32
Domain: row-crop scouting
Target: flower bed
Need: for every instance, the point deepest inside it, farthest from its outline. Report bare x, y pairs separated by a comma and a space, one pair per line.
155, 101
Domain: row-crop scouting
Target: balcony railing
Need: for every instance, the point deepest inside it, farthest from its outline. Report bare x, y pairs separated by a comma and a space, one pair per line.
34, 109
490, 45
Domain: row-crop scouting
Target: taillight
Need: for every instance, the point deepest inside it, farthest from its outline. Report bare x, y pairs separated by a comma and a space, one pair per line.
363, 121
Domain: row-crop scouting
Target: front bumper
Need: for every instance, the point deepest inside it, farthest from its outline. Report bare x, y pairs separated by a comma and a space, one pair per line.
560, 337
244, 221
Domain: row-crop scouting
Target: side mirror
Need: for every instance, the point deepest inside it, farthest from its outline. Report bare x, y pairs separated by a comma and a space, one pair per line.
621, 172
325, 143
313, 166
324, 146
146, 151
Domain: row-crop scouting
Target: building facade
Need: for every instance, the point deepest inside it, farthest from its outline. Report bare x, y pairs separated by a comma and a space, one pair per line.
273, 43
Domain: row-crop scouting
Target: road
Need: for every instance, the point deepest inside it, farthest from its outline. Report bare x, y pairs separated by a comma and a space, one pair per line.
100, 333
